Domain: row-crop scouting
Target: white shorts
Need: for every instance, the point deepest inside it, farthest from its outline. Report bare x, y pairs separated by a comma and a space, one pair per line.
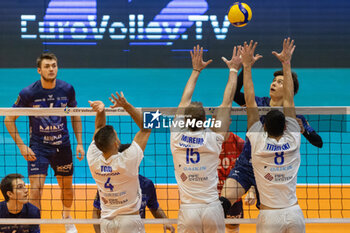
201, 218
123, 224
287, 220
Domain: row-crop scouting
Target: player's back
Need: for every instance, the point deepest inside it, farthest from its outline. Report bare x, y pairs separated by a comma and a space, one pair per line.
196, 158
117, 180
276, 164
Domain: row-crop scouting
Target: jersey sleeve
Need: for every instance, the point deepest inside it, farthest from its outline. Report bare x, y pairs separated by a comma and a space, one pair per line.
293, 128
306, 125
254, 133
132, 158
72, 102
152, 202
23, 100
93, 152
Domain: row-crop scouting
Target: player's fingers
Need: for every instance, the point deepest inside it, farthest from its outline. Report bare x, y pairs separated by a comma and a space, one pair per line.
292, 50
208, 62
191, 54
254, 46
224, 59
234, 51
117, 95
275, 53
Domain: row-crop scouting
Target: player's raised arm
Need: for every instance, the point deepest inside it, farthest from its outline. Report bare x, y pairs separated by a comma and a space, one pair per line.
285, 58
198, 65
99, 108
224, 110
142, 136
247, 53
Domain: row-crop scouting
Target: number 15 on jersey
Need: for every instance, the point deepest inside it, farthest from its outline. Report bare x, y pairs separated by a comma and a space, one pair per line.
192, 156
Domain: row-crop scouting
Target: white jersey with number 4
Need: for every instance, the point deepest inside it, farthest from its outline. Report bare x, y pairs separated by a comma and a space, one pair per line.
117, 180
276, 164
196, 159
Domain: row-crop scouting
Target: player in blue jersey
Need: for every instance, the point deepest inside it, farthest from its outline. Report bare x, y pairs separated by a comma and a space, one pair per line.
149, 199
16, 205
241, 177
49, 138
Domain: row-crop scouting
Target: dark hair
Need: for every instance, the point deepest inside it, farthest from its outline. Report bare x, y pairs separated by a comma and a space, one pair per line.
294, 77
6, 184
105, 138
48, 56
275, 123
123, 147
195, 111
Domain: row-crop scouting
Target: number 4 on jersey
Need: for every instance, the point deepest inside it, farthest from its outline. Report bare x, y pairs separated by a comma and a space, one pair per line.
109, 185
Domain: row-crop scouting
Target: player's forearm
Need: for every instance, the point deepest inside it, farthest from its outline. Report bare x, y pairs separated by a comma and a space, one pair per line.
159, 213
288, 87
10, 123
230, 90
249, 93
100, 120
77, 128
189, 89
135, 114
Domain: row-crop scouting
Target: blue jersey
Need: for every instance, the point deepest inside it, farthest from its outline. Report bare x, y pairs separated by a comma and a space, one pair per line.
49, 130
28, 211
149, 196
245, 157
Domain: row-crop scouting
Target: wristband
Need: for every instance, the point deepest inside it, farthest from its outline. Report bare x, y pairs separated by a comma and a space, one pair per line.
197, 70
234, 70
286, 62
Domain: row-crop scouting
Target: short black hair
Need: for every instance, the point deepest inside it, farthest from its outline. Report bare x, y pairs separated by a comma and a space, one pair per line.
195, 111
105, 138
48, 56
275, 122
6, 184
294, 77
123, 147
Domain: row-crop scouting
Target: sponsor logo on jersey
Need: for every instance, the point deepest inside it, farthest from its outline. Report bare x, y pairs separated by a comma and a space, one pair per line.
268, 176
197, 178
183, 177
195, 168
51, 128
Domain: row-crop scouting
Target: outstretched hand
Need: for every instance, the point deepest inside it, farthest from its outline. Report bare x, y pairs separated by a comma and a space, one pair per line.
287, 52
197, 59
236, 61
118, 101
247, 53
97, 106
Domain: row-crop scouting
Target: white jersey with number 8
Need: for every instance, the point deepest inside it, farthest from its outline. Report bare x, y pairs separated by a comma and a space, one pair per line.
276, 164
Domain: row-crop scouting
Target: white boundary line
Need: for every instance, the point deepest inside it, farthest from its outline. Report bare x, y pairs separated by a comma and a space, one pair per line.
30, 221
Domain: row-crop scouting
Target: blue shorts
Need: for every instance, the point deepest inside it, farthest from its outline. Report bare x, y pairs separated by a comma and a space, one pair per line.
244, 175
236, 210
60, 159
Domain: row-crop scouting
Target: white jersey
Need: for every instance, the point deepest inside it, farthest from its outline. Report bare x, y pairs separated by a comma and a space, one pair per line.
196, 160
276, 164
117, 180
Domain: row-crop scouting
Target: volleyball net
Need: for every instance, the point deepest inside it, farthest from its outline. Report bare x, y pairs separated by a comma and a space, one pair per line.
323, 180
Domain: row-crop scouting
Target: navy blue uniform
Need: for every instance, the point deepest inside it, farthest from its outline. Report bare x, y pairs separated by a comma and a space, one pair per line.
243, 170
49, 138
149, 196
28, 211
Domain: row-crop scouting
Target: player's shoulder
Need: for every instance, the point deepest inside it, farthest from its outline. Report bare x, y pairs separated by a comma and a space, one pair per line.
63, 84
31, 89
32, 210
262, 101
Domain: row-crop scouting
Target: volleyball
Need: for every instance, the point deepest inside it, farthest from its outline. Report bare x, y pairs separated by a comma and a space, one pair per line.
239, 14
